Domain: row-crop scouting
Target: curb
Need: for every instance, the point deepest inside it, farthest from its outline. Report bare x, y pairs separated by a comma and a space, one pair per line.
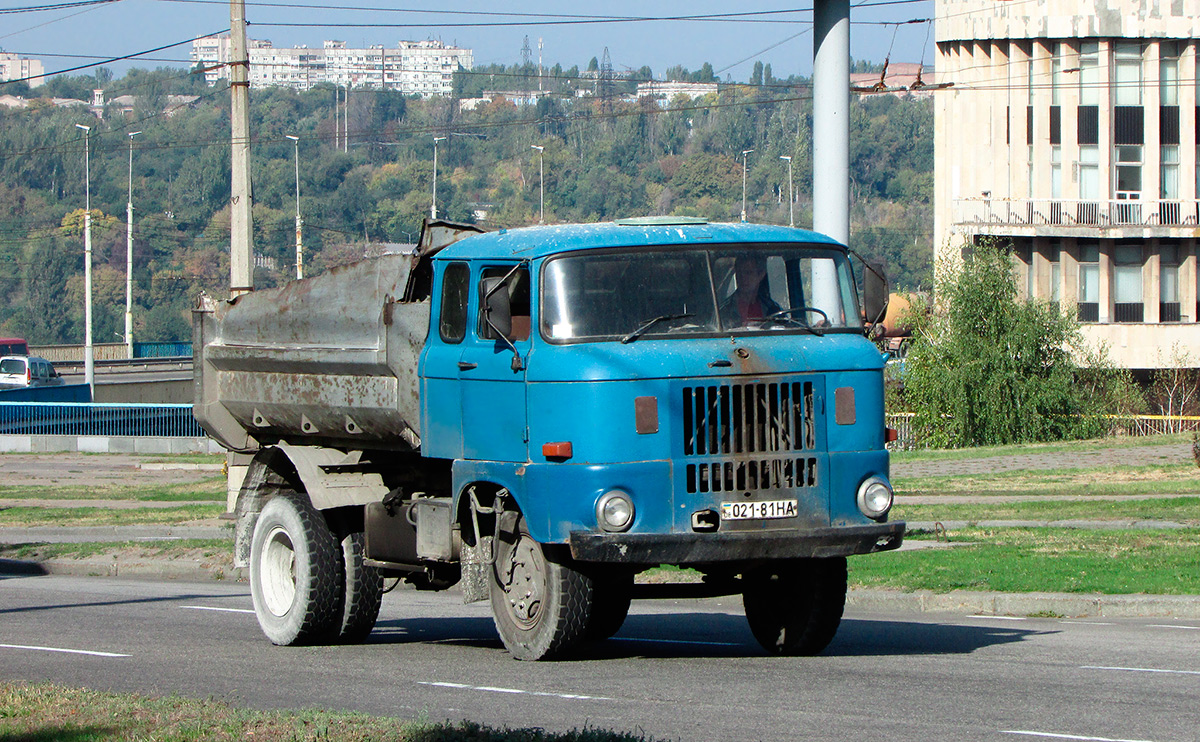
962, 602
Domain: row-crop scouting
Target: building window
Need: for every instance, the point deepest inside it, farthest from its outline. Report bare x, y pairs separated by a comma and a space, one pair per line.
1127, 283
1089, 73
1168, 283
1128, 184
1055, 272
1168, 209
1127, 78
1056, 71
1088, 305
1168, 74
1088, 210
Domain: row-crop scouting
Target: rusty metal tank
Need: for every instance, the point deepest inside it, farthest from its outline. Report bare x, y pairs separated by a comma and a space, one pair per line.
329, 360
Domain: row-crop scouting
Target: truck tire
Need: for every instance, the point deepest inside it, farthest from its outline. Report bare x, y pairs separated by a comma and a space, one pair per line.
296, 573
364, 592
540, 602
611, 596
794, 608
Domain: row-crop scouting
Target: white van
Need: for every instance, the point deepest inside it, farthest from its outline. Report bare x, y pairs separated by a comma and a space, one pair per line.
20, 372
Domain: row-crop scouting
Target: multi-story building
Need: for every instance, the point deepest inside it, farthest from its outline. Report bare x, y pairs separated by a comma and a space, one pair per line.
16, 67
1071, 130
424, 68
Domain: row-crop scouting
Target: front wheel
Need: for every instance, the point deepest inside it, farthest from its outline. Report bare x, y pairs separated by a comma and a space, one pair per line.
794, 608
296, 575
540, 602
364, 591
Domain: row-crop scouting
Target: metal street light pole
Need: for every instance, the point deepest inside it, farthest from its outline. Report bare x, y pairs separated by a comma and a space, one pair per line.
89, 363
791, 200
129, 255
433, 206
541, 185
299, 223
744, 153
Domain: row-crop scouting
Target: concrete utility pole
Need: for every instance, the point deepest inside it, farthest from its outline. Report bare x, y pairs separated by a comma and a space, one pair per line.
831, 118
541, 181
744, 153
241, 238
433, 205
791, 199
129, 255
89, 354
299, 243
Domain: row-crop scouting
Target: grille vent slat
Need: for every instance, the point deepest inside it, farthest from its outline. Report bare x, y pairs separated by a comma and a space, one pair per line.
761, 423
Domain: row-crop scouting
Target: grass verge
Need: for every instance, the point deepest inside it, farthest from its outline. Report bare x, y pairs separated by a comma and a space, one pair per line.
1060, 560
26, 517
40, 712
983, 452
203, 548
1168, 479
1185, 510
210, 488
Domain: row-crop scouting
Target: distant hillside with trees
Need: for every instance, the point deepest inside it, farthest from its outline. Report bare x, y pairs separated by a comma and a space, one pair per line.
605, 158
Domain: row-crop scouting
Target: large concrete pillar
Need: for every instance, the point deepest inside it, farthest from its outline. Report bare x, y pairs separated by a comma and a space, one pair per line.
831, 118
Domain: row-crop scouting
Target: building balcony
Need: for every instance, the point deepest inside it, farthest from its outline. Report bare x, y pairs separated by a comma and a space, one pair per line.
1067, 217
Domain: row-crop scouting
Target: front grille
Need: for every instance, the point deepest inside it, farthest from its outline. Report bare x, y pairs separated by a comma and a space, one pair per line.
756, 424
748, 418
752, 476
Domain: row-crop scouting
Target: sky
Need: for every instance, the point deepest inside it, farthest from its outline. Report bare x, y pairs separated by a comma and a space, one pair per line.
82, 34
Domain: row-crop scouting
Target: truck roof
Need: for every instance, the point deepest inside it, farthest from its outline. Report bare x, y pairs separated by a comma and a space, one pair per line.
536, 242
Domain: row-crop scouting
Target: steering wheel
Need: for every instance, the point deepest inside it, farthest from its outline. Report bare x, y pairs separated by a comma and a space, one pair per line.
787, 314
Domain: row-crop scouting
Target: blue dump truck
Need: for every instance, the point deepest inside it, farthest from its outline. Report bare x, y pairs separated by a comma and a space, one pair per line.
537, 415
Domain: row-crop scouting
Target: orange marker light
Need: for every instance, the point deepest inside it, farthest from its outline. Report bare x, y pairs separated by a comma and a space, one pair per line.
560, 450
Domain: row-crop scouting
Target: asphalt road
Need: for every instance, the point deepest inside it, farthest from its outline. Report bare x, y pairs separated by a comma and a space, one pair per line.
678, 669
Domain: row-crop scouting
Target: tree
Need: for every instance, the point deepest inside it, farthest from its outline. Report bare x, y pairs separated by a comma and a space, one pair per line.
990, 369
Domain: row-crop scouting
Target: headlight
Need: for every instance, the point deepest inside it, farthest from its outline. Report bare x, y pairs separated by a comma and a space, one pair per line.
875, 497
614, 511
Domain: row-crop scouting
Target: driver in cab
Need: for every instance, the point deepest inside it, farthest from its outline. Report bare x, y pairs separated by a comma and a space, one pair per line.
751, 301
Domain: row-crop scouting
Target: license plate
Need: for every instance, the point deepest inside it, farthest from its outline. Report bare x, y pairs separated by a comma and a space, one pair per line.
758, 510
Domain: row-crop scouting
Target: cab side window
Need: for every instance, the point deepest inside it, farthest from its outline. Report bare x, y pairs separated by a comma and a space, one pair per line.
517, 287
456, 285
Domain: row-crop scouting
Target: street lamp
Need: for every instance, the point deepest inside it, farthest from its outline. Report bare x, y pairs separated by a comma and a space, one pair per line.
299, 243
791, 200
744, 153
541, 185
433, 206
89, 363
129, 255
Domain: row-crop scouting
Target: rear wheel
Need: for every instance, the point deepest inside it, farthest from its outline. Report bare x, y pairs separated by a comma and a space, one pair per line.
794, 607
364, 591
611, 596
540, 602
295, 573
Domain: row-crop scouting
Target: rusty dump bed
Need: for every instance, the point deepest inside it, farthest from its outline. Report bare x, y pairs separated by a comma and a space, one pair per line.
329, 360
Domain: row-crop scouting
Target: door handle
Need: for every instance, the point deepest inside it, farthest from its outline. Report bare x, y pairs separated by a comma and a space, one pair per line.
466, 365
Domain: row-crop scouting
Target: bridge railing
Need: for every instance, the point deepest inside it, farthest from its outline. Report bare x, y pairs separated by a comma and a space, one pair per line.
77, 419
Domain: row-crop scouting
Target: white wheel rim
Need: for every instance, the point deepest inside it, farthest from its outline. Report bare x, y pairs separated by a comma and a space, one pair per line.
277, 578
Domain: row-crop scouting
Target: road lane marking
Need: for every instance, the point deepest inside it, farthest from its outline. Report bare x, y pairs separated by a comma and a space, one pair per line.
1167, 626
492, 689
1141, 669
64, 651
211, 608
1053, 735
1088, 623
673, 641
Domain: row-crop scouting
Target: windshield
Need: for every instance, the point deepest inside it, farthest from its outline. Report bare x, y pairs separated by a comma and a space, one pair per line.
766, 288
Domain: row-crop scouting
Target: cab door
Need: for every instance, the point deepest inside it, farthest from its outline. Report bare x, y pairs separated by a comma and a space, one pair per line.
491, 371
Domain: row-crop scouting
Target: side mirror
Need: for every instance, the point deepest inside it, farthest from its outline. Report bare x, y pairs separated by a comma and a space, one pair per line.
497, 311
875, 293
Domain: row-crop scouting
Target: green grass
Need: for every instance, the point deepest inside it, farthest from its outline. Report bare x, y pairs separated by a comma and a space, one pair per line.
209, 488
41, 712
23, 517
36, 552
1043, 559
1177, 509
984, 452
1157, 479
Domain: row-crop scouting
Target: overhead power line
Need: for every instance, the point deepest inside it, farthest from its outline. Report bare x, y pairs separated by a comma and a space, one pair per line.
110, 60
55, 6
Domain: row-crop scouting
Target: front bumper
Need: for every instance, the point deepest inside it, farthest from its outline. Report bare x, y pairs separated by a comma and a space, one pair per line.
702, 548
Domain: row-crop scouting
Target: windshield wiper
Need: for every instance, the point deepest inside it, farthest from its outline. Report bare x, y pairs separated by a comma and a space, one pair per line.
642, 328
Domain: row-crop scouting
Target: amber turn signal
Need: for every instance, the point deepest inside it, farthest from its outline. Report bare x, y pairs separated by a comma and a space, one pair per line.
561, 450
